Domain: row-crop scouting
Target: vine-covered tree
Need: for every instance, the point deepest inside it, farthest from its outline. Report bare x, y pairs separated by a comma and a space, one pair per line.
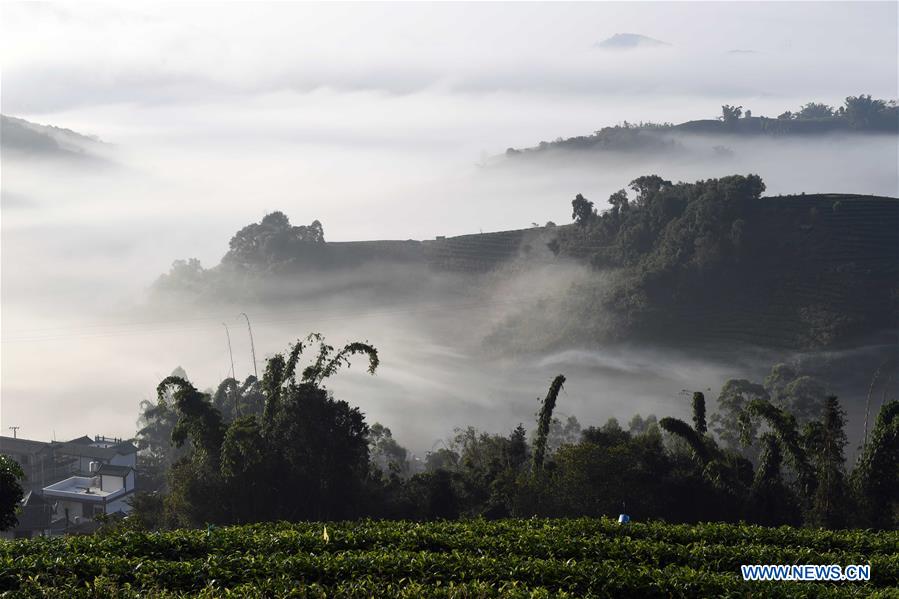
771, 502
699, 422
543, 421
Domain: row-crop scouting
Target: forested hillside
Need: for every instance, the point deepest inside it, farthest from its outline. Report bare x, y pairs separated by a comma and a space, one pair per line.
711, 261
859, 114
716, 261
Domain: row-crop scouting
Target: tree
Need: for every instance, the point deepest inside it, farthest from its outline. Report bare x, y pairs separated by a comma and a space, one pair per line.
562, 434
184, 276
731, 114
876, 477
732, 401
681, 429
11, 492
272, 241
815, 110
827, 442
647, 187
699, 413
305, 450
543, 421
386, 454
619, 202
582, 210
863, 112
156, 452
801, 395
639, 425
771, 502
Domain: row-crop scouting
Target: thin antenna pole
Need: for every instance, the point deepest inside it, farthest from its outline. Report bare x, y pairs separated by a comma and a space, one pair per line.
14, 429
230, 353
252, 346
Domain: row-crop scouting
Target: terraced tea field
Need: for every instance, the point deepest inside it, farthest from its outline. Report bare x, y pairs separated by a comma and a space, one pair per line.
507, 558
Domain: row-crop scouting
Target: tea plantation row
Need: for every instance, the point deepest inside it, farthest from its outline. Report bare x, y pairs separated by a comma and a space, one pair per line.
508, 558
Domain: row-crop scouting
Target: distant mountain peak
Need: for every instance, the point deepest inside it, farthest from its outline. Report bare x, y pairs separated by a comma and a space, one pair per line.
629, 41
24, 138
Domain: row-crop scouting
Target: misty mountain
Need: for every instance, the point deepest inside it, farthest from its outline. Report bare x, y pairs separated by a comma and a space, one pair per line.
23, 139
701, 263
706, 138
629, 41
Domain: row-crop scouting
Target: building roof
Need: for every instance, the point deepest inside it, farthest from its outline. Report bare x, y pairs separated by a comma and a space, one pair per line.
35, 513
81, 446
82, 488
83, 440
87, 451
19, 445
125, 447
114, 470
91, 451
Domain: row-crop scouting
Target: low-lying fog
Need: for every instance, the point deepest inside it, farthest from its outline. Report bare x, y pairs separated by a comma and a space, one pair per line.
381, 122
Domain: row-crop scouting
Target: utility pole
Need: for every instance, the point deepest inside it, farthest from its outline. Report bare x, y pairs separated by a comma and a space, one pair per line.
230, 353
252, 346
14, 429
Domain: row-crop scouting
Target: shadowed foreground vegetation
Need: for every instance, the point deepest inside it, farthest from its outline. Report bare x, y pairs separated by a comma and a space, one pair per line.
283, 448
476, 558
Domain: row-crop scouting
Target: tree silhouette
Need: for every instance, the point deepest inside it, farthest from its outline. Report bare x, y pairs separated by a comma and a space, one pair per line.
543, 421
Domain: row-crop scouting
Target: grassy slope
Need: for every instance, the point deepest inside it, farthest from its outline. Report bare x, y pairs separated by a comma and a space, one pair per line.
526, 558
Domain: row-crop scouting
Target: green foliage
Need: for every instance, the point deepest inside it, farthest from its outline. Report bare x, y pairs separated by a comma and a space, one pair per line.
876, 477
272, 242
826, 445
864, 112
795, 444
734, 398
281, 447
683, 430
815, 110
772, 503
582, 210
699, 423
730, 114
386, 454
11, 492
530, 558
543, 421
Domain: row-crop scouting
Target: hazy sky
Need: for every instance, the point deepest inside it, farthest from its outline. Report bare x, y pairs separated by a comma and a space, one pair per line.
369, 117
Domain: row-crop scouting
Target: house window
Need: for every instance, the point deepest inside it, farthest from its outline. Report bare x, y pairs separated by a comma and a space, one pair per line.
98, 510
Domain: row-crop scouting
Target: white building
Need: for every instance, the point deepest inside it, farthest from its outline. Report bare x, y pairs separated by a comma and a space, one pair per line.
70, 483
80, 498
